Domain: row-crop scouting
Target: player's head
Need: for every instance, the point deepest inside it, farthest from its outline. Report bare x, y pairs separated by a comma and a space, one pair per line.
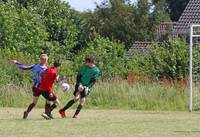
57, 64
43, 59
90, 61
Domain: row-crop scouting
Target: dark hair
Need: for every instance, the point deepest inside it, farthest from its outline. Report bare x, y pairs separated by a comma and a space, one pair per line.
90, 59
57, 63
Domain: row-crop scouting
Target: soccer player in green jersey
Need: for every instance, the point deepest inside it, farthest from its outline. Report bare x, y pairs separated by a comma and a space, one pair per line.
86, 79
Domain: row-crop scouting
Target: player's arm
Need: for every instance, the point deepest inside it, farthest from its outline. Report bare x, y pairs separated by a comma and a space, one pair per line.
56, 82
78, 77
57, 79
22, 66
93, 79
92, 82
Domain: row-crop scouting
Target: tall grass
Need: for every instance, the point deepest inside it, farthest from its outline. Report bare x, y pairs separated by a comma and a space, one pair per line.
139, 96
109, 95
14, 96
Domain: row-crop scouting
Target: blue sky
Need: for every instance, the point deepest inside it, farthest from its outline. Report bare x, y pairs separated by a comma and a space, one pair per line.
82, 5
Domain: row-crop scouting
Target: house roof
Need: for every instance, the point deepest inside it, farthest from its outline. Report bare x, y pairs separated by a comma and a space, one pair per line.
191, 15
165, 27
140, 47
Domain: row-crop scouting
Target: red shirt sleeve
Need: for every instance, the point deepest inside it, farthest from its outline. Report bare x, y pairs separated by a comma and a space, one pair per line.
55, 78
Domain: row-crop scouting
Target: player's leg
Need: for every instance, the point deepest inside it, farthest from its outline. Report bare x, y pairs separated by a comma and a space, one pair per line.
48, 107
30, 107
47, 110
56, 102
36, 95
70, 102
80, 106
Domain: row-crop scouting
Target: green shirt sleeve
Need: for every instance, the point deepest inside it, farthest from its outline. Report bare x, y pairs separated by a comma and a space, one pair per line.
94, 78
79, 75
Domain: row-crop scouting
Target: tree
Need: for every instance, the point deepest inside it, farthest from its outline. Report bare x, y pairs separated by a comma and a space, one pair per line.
157, 16
126, 22
174, 8
21, 31
114, 19
62, 25
109, 56
84, 31
59, 21
141, 20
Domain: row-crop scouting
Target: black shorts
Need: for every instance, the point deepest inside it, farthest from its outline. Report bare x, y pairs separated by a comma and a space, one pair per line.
83, 94
47, 96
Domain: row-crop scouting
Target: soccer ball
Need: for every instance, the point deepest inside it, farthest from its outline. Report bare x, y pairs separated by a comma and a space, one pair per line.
65, 87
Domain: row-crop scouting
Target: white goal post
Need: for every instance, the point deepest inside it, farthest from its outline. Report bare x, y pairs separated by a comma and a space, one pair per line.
194, 41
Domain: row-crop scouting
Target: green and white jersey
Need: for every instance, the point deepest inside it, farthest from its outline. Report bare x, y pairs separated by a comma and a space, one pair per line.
88, 74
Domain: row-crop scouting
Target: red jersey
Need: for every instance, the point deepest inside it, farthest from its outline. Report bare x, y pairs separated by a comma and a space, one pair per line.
47, 79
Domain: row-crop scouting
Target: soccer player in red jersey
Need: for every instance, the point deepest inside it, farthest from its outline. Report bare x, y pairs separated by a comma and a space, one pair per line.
47, 80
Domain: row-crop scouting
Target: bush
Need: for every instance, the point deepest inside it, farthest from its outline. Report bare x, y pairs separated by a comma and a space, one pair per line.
21, 30
62, 25
40, 26
109, 56
169, 59
10, 74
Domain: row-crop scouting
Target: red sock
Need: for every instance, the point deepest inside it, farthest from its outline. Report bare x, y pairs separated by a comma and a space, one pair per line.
30, 107
47, 108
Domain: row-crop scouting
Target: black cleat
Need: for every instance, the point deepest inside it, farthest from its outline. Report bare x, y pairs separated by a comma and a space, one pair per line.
25, 115
46, 116
51, 116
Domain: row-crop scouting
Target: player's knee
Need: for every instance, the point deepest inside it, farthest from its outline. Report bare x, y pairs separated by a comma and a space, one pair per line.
48, 102
35, 100
82, 101
56, 101
77, 98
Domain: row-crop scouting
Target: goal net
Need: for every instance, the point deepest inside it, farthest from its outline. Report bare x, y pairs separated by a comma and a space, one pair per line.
194, 82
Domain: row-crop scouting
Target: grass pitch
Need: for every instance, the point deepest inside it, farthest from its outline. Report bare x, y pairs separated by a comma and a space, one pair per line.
100, 123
